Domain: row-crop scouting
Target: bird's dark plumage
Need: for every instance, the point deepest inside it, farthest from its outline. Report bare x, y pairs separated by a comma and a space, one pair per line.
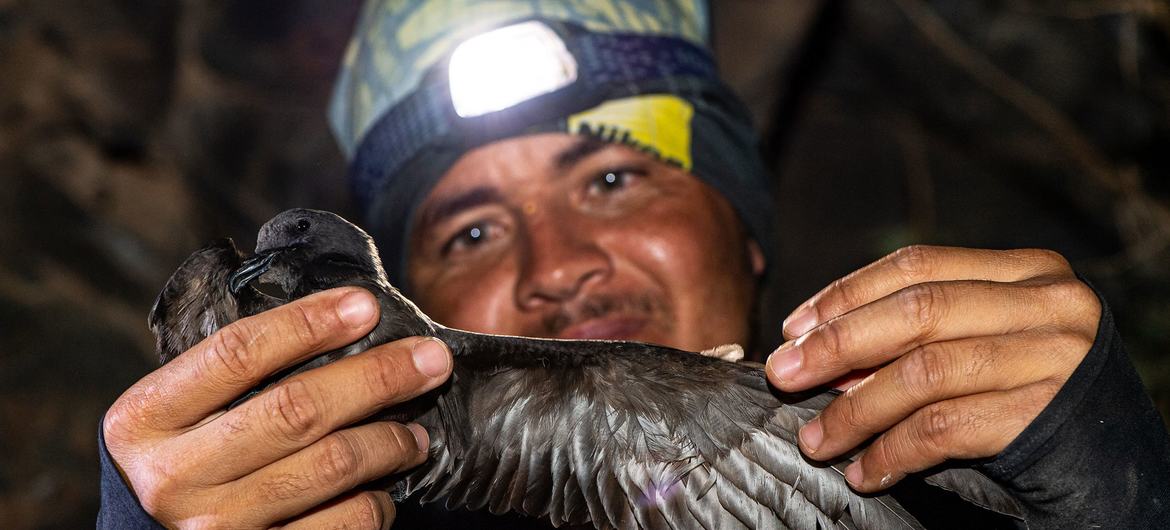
620, 434
197, 300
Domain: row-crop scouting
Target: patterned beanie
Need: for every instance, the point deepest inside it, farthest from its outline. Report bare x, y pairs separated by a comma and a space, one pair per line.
639, 74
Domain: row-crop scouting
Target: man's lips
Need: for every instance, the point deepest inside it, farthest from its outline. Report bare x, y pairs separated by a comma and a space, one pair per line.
619, 328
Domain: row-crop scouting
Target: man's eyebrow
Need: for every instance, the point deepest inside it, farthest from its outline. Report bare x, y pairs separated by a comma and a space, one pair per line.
449, 206
581, 149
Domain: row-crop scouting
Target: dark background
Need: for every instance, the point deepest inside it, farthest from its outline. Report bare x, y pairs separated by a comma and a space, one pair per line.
132, 131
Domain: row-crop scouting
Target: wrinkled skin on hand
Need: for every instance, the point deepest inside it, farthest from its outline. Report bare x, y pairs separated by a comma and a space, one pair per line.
966, 347
291, 455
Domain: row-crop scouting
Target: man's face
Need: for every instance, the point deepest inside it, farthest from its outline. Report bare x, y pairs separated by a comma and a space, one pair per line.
565, 236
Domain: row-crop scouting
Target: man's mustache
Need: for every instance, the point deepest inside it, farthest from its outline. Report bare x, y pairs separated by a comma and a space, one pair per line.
602, 305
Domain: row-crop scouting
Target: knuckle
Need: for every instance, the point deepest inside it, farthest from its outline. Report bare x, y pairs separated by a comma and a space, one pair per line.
387, 378
843, 293
231, 352
1079, 295
293, 410
139, 414
886, 453
307, 330
926, 370
833, 339
921, 306
941, 423
1074, 305
398, 436
152, 500
401, 442
339, 461
1047, 390
156, 488
1070, 292
852, 413
1073, 345
916, 262
121, 423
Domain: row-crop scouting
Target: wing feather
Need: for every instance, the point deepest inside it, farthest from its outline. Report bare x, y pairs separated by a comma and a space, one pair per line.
628, 441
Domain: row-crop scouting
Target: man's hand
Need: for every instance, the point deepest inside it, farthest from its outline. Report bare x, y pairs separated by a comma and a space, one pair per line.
288, 455
969, 347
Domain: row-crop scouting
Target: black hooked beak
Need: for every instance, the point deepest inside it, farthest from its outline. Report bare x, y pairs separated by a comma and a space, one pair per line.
250, 270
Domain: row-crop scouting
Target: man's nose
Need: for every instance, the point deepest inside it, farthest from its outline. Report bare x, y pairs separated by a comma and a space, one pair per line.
558, 259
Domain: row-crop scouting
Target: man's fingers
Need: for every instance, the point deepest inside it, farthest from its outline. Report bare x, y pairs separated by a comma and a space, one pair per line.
237, 357
970, 427
935, 372
365, 510
918, 264
333, 465
297, 412
929, 312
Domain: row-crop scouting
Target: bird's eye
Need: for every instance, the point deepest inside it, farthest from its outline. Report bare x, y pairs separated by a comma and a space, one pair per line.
302, 225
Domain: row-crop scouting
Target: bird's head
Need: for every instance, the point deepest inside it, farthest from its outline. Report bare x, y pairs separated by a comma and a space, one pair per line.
300, 248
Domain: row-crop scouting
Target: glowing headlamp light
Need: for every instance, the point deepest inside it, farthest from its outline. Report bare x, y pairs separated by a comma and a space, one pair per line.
507, 66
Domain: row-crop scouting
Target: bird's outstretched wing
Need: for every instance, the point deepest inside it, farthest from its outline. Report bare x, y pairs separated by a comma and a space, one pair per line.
640, 437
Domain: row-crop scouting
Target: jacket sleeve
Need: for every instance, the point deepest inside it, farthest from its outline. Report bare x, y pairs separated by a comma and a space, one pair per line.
120, 508
1099, 455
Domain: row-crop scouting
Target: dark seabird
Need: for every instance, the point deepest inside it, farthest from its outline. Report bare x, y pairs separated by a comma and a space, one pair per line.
614, 433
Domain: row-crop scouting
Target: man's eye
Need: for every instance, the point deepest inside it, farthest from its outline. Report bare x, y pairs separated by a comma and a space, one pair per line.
468, 237
610, 181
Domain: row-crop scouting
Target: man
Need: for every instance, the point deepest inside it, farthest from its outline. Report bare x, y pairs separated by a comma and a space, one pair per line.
625, 202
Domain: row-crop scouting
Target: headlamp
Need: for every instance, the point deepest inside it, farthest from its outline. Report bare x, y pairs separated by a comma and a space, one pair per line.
506, 66
511, 78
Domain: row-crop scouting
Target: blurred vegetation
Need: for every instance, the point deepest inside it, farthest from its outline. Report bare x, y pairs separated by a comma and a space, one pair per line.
131, 131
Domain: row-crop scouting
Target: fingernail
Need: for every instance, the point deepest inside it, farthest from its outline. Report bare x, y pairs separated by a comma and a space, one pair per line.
812, 434
855, 474
356, 308
421, 438
785, 362
800, 322
431, 357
